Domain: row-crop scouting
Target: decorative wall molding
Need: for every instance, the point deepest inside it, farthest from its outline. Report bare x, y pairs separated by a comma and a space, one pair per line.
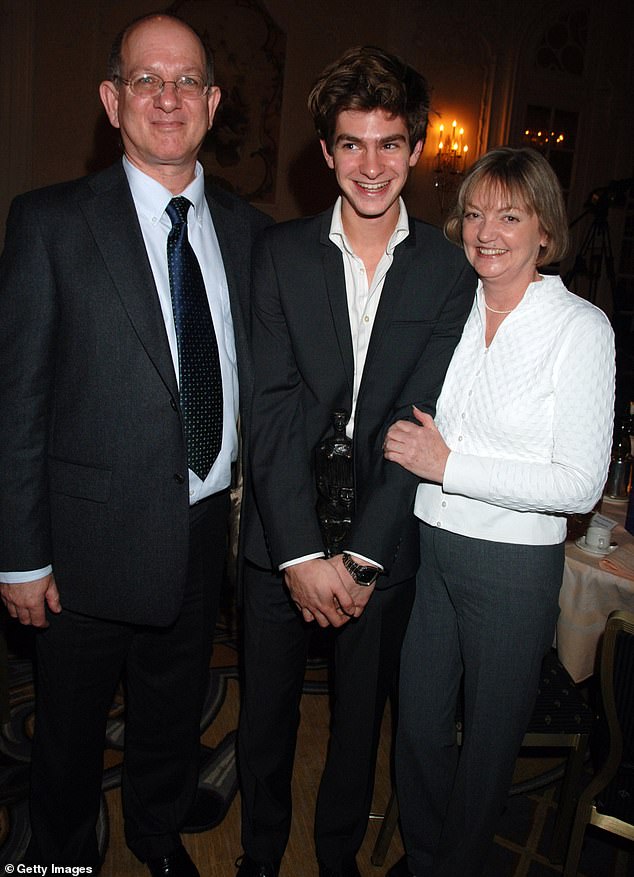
250, 53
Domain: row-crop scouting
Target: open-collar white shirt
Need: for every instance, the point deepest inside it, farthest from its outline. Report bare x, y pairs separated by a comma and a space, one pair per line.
363, 297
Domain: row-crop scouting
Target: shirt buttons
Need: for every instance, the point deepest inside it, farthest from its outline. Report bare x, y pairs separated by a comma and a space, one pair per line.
444, 504
366, 319
438, 524
459, 438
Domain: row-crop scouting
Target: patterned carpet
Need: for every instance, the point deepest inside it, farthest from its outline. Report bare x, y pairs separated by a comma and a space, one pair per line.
217, 765
521, 845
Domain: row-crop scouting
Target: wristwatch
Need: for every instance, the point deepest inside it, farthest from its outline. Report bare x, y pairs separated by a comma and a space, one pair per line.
362, 574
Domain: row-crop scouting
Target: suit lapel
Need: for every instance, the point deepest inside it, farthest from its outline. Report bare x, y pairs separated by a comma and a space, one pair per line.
231, 240
233, 237
112, 218
394, 288
335, 280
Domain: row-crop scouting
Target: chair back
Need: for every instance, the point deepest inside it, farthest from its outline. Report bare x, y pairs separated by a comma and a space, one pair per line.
617, 732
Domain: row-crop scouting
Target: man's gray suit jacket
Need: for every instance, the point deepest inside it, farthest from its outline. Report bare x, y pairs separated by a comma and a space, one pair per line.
93, 471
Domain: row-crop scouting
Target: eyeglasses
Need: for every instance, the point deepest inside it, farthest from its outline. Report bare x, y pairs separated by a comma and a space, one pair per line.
148, 85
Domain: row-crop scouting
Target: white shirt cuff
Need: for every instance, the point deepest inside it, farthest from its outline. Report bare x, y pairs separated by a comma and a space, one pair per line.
297, 560
19, 578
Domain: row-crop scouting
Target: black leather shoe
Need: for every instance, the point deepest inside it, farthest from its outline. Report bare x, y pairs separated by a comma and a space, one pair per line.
399, 869
176, 864
349, 869
247, 867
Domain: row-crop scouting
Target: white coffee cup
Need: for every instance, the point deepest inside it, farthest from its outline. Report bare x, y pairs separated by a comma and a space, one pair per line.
598, 538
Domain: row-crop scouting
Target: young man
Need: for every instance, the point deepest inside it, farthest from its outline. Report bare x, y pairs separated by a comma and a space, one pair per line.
114, 511
360, 309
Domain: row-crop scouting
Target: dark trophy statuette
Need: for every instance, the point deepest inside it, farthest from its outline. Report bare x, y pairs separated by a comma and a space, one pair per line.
335, 484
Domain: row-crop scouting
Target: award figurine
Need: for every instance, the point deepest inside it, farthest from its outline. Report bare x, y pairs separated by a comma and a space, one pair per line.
335, 484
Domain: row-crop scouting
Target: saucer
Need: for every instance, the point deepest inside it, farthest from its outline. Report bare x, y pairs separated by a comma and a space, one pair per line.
598, 552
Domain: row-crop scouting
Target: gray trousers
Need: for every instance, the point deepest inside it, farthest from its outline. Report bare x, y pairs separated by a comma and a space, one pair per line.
484, 615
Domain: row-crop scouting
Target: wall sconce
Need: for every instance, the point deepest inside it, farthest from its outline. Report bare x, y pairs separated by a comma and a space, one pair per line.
450, 161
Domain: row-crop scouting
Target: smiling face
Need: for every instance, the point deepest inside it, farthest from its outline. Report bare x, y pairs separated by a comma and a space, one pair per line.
501, 240
163, 134
371, 159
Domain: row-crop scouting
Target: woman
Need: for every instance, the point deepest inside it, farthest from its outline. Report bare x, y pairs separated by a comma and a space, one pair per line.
521, 437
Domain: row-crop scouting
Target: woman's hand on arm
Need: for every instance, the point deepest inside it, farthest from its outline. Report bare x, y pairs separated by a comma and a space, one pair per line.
417, 447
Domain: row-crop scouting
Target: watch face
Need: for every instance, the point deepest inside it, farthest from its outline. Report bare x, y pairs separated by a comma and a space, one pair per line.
366, 575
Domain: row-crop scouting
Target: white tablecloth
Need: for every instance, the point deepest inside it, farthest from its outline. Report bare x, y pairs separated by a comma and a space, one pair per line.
588, 595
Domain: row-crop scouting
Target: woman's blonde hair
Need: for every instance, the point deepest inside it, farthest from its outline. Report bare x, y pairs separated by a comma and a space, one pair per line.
525, 178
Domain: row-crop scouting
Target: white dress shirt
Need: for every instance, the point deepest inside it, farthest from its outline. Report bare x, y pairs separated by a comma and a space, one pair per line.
528, 420
150, 200
363, 298
363, 302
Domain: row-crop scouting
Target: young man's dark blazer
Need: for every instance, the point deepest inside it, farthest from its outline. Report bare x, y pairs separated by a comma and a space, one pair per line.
93, 472
302, 348
303, 370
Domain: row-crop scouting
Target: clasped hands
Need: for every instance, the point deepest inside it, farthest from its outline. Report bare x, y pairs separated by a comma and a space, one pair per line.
418, 447
324, 591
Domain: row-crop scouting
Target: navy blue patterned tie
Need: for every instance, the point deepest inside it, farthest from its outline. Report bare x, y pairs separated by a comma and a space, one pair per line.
198, 360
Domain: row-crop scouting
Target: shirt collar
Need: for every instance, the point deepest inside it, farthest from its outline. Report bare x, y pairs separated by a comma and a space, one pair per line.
151, 197
338, 236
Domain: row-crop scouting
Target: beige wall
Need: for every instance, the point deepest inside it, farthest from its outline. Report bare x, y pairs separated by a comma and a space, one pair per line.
476, 55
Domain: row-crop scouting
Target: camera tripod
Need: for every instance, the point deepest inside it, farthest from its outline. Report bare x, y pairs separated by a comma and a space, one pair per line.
595, 252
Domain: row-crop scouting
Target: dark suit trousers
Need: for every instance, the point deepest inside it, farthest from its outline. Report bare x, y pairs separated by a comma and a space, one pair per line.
80, 660
484, 615
366, 659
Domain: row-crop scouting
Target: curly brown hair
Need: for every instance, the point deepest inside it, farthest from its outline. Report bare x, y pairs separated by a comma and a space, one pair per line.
368, 78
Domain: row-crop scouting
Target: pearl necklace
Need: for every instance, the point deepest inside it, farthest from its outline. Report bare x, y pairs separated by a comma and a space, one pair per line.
494, 311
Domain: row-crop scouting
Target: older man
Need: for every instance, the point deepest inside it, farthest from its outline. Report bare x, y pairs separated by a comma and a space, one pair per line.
121, 338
